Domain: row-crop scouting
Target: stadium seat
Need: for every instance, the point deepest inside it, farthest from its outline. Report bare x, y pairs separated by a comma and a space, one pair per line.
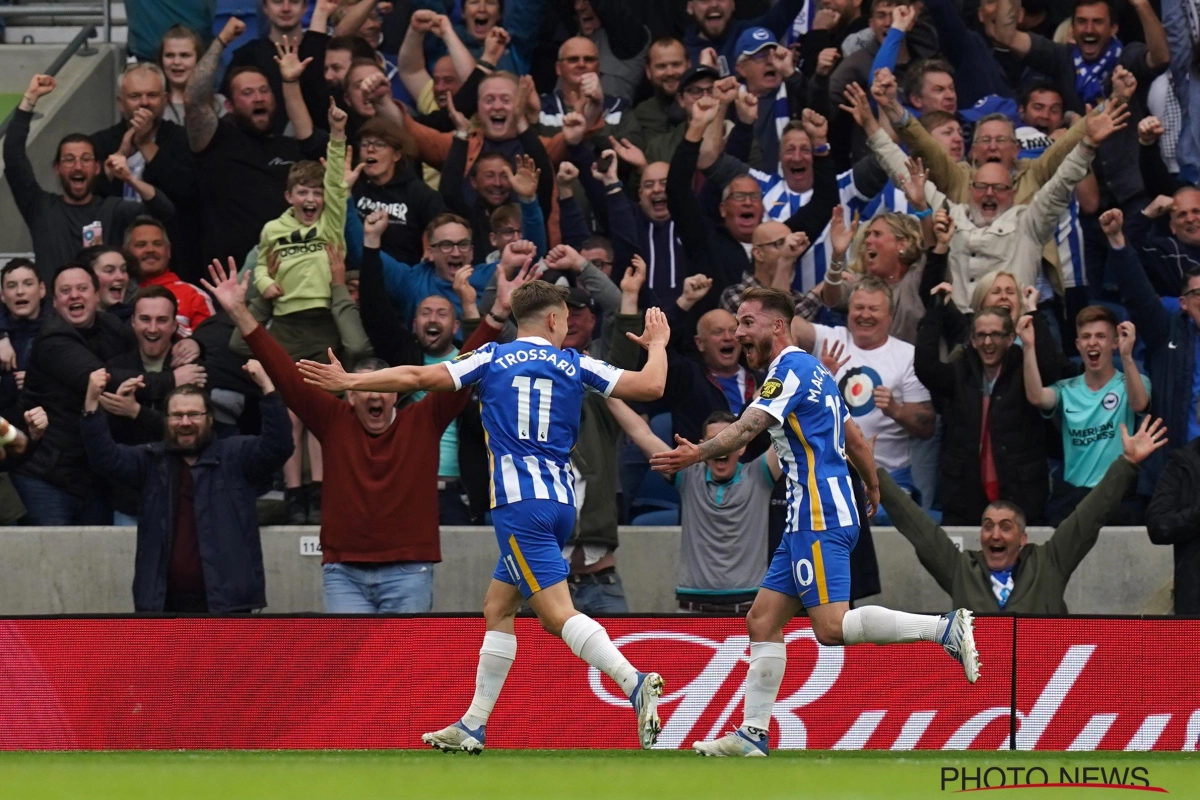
663, 426
654, 494
661, 517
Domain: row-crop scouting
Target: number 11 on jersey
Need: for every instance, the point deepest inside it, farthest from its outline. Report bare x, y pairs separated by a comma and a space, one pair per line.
545, 389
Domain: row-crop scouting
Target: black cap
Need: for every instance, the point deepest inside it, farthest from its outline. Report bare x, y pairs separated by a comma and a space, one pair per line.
698, 73
579, 298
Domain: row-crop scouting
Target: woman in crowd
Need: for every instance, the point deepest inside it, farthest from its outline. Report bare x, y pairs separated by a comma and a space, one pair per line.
177, 55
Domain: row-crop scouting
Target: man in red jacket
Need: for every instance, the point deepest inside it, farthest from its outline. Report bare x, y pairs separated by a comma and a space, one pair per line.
379, 510
146, 240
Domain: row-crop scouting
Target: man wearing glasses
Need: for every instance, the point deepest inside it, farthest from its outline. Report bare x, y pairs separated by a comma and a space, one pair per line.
578, 70
62, 224
449, 252
198, 545
993, 231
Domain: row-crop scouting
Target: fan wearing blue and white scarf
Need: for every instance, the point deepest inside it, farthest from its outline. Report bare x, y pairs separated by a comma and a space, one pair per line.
1090, 76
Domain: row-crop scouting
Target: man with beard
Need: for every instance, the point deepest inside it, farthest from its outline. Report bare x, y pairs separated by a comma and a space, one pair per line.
696, 388
61, 224
154, 323
156, 151
242, 165
815, 437
712, 25
286, 18
666, 62
146, 241
198, 544
389, 183
378, 462
992, 231
1082, 70
55, 483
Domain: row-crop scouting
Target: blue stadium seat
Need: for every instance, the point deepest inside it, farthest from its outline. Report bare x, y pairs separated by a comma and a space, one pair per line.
660, 517
664, 427
654, 494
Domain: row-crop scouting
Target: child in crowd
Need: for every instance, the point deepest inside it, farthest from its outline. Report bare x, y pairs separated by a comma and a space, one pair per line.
292, 271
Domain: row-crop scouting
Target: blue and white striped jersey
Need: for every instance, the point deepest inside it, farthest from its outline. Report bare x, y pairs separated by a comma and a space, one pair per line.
1068, 235
530, 397
810, 441
780, 203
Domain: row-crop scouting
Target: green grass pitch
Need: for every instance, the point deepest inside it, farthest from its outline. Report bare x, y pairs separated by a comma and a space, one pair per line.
498, 775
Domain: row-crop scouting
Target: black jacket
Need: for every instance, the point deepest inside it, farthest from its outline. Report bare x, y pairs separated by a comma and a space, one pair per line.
410, 206
1173, 517
172, 171
146, 428
1018, 432
63, 358
228, 478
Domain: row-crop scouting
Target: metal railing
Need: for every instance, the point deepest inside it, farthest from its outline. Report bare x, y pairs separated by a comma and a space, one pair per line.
98, 11
62, 58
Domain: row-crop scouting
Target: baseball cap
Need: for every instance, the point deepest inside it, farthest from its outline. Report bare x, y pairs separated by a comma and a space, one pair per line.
752, 40
579, 298
992, 104
698, 73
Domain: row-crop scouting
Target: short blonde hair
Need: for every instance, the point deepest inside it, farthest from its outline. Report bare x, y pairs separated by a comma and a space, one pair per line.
904, 227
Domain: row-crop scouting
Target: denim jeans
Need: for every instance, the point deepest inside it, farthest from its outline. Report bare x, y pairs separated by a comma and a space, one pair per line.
46, 504
404, 587
604, 597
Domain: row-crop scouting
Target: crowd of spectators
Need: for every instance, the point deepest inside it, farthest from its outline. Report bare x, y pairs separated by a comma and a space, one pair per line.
987, 218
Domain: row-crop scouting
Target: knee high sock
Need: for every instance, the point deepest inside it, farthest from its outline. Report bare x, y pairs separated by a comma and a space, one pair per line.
767, 663
497, 654
879, 625
588, 640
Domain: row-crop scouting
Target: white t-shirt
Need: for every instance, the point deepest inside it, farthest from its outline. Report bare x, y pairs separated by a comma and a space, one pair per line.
890, 365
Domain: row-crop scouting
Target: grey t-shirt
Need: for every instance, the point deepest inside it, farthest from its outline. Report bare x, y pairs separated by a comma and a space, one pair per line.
724, 544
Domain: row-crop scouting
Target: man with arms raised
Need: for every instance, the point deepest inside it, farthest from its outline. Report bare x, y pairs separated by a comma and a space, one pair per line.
531, 393
61, 224
813, 435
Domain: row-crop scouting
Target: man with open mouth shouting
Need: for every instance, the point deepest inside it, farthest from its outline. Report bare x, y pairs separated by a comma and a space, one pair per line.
60, 224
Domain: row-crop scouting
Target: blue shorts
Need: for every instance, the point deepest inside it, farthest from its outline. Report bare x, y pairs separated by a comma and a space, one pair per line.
813, 566
531, 535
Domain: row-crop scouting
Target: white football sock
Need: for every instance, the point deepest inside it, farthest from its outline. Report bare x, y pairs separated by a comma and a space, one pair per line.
879, 625
588, 640
497, 654
767, 663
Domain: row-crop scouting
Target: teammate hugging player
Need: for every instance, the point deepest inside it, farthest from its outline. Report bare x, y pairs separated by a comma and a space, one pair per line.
812, 433
530, 395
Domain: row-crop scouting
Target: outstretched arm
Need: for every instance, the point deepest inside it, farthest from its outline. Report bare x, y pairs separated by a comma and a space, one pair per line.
638, 429
649, 382
736, 436
200, 120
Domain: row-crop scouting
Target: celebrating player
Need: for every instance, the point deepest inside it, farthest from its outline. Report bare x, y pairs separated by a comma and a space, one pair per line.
530, 395
812, 433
